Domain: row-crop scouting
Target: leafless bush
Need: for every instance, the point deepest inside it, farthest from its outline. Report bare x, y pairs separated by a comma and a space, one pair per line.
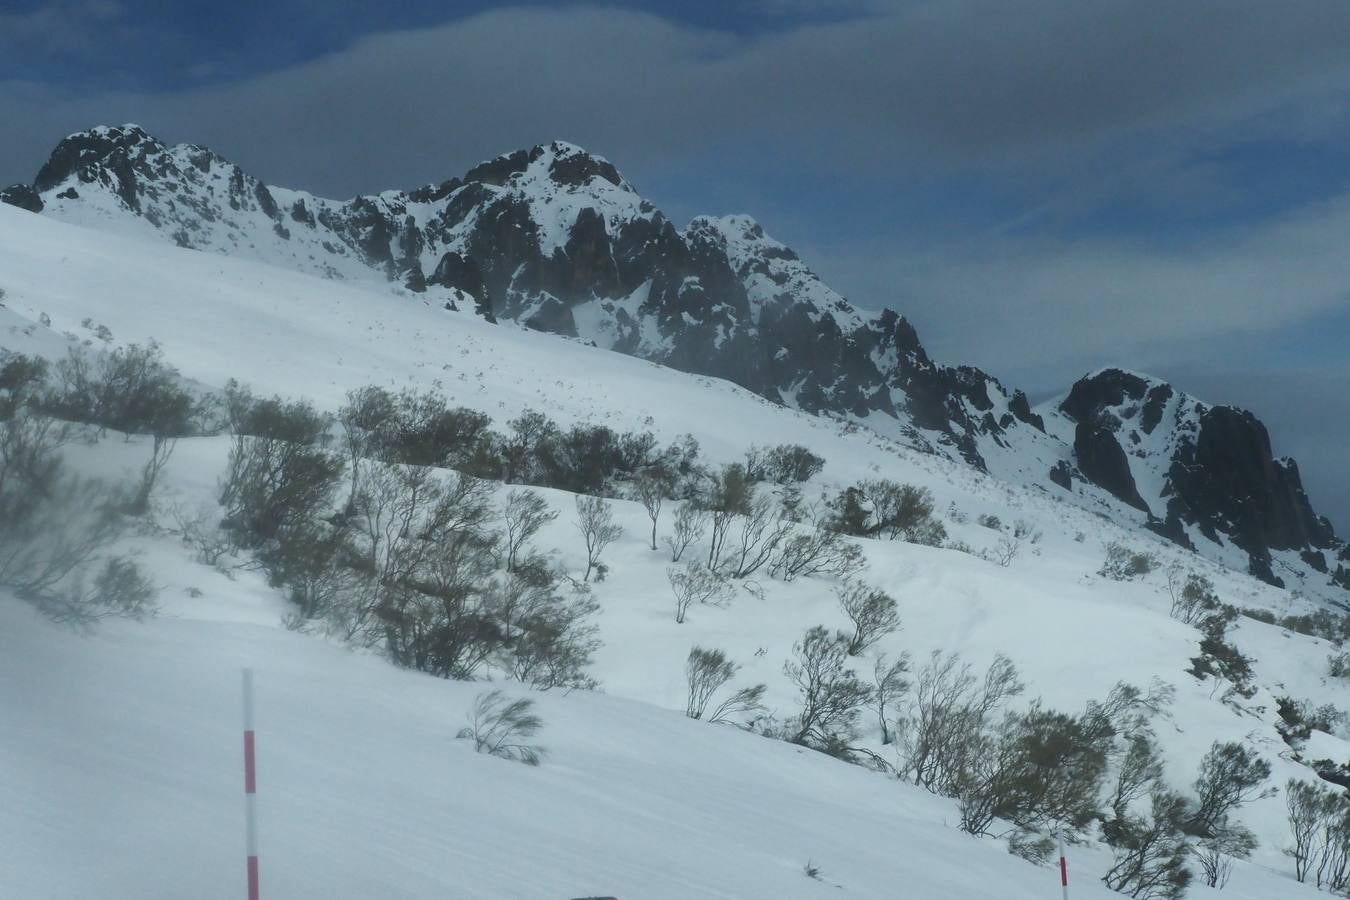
651, 487
872, 612
690, 524
1006, 550
761, 529
201, 535
54, 526
1193, 596
547, 636
950, 711
832, 695
525, 513
706, 672
729, 494
888, 684
1124, 563
695, 584
501, 727
815, 550
1319, 822
595, 521
1149, 859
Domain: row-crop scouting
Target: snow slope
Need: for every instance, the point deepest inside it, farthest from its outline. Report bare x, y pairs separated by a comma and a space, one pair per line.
126, 741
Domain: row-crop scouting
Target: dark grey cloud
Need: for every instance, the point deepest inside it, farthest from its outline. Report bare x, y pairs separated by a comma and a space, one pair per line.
950, 81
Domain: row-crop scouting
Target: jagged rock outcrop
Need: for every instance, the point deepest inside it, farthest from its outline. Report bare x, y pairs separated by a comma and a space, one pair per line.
22, 196
1212, 466
1102, 462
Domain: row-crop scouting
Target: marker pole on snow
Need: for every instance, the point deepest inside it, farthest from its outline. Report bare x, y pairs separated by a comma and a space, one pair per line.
250, 789
1063, 865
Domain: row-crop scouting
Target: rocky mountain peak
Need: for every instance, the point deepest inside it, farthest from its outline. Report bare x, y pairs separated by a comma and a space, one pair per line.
554, 238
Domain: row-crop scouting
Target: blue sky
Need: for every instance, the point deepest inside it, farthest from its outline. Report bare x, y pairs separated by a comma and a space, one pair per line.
1041, 187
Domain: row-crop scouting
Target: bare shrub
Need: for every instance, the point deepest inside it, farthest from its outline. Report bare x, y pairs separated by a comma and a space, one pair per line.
1192, 594
882, 508
888, 685
1125, 563
1319, 822
1007, 549
872, 612
133, 390
728, 495
815, 549
120, 588
706, 672
832, 695
948, 715
651, 488
525, 513
1149, 852
280, 473
502, 727
54, 527
547, 637
695, 584
761, 529
690, 524
595, 521
1231, 776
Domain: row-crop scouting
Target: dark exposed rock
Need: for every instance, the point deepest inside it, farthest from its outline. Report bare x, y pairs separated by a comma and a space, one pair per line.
1103, 462
1170, 528
1259, 566
22, 196
552, 315
1316, 559
1105, 389
454, 271
1228, 478
1154, 404
578, 168
1020, 408
1061, 473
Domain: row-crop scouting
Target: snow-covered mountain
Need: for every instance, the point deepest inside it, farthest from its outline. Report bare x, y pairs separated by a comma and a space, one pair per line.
556, 239
126, 740
1200, 473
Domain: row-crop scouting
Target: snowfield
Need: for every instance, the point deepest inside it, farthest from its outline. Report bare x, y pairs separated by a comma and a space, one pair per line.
120, 749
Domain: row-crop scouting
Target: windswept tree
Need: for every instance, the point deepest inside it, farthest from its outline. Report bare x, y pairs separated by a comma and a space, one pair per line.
525, 513
832, 695
872, 612
595, 521
651, 486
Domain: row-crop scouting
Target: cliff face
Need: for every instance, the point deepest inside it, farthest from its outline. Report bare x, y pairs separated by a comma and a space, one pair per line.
1209, 468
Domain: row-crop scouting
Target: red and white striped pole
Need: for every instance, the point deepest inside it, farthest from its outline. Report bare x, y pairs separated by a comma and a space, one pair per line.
250, 789
1063, 865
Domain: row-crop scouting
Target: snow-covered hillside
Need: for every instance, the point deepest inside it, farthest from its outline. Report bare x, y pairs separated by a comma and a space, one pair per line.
555, 238
125, 740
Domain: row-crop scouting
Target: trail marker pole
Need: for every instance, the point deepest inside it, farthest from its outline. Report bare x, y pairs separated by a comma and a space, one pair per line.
1063, 864
250, 789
